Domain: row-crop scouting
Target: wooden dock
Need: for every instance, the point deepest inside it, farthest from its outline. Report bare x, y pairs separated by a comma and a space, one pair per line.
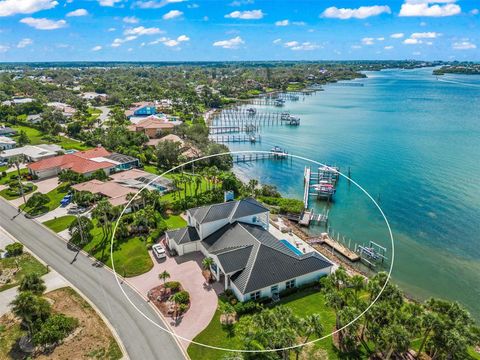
257, 157
235, 138
325, 239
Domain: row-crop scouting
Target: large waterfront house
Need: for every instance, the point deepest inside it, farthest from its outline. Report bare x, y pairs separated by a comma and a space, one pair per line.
247, 258
83, 162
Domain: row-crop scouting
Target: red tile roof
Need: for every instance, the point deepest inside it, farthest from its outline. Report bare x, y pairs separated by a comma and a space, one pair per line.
79, 162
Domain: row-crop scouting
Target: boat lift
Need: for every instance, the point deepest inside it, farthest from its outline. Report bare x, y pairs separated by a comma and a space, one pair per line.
372, 253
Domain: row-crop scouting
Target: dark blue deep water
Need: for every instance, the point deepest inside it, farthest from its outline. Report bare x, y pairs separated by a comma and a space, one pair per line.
413, 142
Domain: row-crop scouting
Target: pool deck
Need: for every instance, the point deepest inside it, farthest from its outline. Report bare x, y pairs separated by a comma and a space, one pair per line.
289, 236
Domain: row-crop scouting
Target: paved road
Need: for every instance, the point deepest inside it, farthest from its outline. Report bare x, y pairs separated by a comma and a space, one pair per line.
141, 339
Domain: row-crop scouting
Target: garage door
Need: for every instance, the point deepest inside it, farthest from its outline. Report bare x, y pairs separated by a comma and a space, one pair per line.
187, 248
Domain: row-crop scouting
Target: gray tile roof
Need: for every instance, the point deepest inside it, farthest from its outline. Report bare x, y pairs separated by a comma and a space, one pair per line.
239, 208
183, 235
265, 260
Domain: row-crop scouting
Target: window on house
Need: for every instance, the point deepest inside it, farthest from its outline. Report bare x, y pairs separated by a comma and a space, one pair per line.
254, 219
290, 284
255, 295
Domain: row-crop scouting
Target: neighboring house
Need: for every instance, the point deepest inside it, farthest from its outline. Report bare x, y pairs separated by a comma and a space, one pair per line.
18, 101
116, 194
94, 95
152, 126
34, 119
83, 162
138, 179
248, 259
7, 143
7, 131
65, 109
189, 151
143, 108
32, 153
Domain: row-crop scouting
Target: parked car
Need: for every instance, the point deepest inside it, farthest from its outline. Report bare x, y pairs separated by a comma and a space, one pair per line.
66, 200
159, 251
76, 210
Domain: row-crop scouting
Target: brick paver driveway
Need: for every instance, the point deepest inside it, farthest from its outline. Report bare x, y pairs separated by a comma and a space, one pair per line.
187, 270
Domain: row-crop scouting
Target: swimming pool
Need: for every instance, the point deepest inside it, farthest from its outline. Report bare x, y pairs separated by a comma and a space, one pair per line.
291, 247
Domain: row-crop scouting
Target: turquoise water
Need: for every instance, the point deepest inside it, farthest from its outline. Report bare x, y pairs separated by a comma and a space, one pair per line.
413, 142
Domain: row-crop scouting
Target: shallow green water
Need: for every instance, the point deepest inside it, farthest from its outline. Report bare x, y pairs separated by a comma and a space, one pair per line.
413, 142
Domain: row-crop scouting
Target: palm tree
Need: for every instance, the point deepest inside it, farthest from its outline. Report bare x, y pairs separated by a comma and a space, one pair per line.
176, 299
252, 185
32, 282
357, 282
164, 275
30, 308
16, 162
309, 326
207, 264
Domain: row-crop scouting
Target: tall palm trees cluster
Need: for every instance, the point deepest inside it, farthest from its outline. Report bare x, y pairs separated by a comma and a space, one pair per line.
278, 328
393, 325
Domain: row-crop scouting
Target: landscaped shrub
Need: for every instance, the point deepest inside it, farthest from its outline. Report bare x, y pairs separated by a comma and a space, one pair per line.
172, 285
284, 205
54, 329
14, 249
183, 297
248, 307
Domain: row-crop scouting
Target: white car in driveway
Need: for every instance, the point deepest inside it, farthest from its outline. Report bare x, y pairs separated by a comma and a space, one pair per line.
159, 251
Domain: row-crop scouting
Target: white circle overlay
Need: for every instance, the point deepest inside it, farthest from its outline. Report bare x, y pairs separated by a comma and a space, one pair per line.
244, 350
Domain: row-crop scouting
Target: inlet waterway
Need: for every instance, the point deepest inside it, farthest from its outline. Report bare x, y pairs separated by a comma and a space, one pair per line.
412, 140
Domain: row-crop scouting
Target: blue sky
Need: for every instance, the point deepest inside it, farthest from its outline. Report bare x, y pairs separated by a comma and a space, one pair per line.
206, 30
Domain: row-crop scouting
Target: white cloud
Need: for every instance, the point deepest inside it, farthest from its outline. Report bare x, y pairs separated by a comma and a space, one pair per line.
305, 46
241, 2
277, 41
97, 48
356, 47
182, 38
464, 45
141, 30
108, 2
432, 8
425, 35
285, 22
172, 14
171, 43
389, 47
153, 4
13, 7
24, 43
362, 12
397, 35
423, 23
131, 20
411, 41
4, 48
233, 43
246, 15
368, 41
43, 23
158, 41
291, 43
474, 12
118, 41
380, 38
78, 12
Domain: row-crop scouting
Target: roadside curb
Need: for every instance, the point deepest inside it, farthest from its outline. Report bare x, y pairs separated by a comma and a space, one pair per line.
124, 280
94, 307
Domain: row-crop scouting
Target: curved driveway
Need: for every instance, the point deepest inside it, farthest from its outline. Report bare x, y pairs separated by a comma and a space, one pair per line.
142, 340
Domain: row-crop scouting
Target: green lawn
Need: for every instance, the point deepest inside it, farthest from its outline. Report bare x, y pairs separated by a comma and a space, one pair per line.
302, 304
7, 194
27, 264
151, 169
61, 223
130, 256
4, 180
55, 196
172, 196
175, 222
37, 137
